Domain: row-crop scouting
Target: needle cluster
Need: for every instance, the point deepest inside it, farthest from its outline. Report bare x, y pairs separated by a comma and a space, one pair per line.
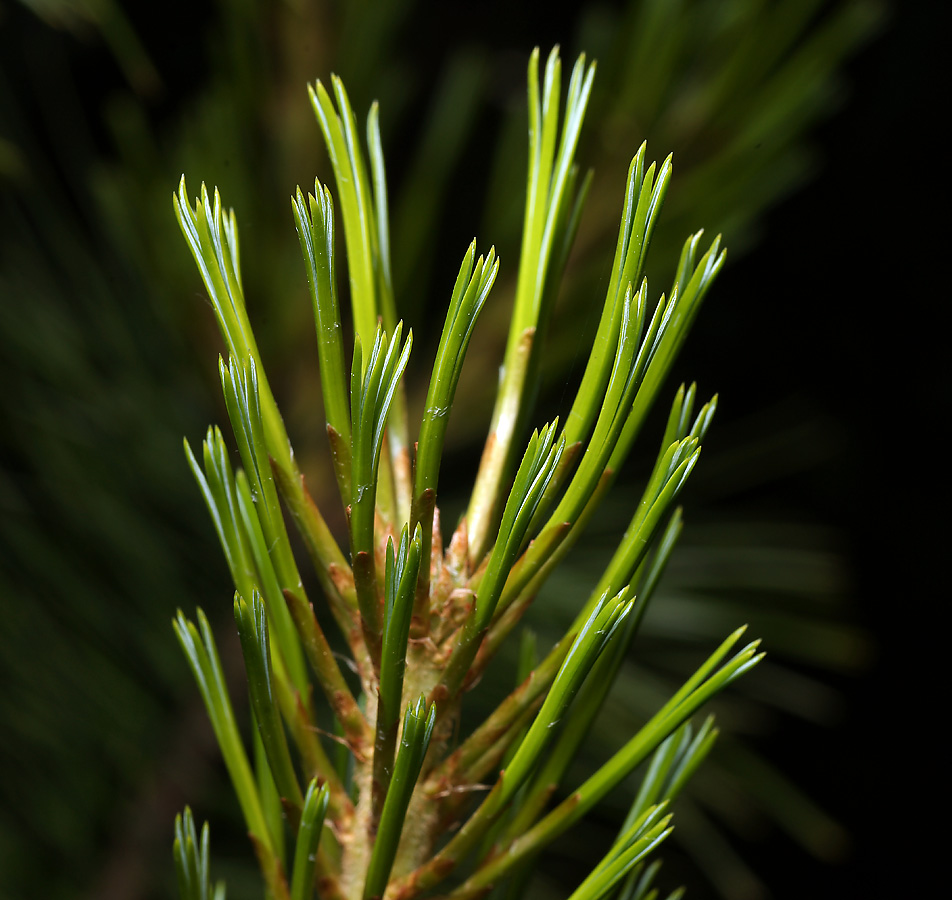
413, 808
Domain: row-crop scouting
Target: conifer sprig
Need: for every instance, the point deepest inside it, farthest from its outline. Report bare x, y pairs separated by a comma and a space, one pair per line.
314, 221
402, 569
547, 200
308, 842
417, 731
252, 625
192, 861
198, 644
422, 623
366, 233
372, 389
693, 694
469, 294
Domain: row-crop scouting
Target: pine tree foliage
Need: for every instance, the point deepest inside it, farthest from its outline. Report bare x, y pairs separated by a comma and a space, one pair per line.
423, 619
102, 306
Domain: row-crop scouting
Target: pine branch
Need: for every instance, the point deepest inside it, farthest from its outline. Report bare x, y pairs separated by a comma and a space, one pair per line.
694, 693
191, 861
422, 624
538, 465
469, 294
417, 731
315, 227
366, 231
212, 237
199, 648
370, 400
399, 588
546, 195
308, 840
256, 648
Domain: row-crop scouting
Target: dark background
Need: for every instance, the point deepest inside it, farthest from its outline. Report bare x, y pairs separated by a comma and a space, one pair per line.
835, 310
853, 328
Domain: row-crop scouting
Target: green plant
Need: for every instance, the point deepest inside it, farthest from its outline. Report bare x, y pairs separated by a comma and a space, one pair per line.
421, 622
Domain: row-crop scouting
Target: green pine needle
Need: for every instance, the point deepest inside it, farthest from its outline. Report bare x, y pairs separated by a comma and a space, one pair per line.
192, 861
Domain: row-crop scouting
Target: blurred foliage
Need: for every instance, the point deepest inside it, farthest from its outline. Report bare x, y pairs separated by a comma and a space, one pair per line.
102, 342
